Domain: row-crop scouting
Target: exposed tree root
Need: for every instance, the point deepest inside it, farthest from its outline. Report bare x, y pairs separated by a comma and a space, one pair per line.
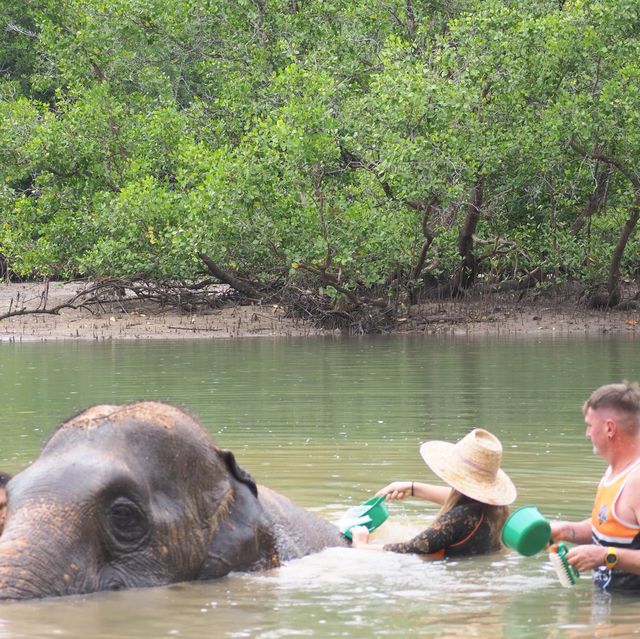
122, 294
309, 305
359, 314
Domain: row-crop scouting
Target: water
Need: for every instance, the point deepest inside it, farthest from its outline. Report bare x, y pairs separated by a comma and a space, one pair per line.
328, 422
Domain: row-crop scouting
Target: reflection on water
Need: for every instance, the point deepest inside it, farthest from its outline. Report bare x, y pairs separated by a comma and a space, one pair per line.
328, 422
343, 593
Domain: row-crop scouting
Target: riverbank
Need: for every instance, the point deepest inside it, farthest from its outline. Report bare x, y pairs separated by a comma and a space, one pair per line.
535, 313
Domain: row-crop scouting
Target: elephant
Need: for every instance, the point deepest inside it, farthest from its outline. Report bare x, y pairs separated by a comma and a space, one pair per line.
139, 495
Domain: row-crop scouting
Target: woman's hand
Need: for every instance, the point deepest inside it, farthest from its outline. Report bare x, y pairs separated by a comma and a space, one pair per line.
359, 536
396, 490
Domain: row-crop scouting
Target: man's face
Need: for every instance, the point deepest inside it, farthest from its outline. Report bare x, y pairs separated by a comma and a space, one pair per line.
597, 429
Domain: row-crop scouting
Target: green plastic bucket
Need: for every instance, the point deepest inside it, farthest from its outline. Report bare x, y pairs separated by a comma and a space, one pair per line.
526, 531
370, 513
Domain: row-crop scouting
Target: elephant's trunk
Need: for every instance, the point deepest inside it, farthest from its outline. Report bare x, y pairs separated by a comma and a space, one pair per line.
26, 574
35, 561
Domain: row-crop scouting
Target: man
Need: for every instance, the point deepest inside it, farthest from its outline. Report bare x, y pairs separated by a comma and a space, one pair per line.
4, 480
609, 542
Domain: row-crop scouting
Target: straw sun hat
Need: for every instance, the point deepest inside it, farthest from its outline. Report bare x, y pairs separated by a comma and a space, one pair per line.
472, 467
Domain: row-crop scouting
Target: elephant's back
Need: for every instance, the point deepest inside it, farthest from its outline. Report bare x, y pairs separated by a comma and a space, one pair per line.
297, 532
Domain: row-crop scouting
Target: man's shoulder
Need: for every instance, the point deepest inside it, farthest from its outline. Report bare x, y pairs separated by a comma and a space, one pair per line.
634, 475
630, 497
634, 470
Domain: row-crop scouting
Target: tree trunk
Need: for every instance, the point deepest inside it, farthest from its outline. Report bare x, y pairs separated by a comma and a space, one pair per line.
467, 272
613, 284
603, 177
429, 236
613, 293
411, 20
234, 282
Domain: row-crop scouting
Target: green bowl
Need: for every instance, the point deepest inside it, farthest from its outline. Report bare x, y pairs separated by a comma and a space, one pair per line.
370, 513
526, 531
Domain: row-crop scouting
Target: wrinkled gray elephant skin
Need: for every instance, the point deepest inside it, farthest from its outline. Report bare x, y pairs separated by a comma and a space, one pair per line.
139, 495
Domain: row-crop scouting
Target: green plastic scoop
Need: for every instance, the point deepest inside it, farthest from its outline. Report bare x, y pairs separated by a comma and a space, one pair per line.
526, 531
370, 513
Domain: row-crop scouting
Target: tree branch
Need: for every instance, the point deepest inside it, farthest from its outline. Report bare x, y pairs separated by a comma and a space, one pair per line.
597, 154
228, 278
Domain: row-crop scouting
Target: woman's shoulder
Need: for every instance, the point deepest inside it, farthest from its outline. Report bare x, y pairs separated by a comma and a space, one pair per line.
469, 507
466, 512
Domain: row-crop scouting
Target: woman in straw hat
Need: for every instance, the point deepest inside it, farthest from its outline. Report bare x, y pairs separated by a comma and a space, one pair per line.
474, 508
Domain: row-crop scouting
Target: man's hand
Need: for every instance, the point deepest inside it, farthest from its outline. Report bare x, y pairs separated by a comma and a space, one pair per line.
586, 557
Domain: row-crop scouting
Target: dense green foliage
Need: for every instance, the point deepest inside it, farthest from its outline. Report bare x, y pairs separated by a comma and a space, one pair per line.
355, 144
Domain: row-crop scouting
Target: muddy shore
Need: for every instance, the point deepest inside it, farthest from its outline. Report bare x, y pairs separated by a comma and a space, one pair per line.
536, 313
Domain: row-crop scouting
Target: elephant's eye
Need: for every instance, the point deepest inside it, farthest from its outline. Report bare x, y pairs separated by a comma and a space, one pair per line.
127, 522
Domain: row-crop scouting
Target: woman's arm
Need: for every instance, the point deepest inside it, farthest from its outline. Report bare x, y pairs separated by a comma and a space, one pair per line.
448, 529
436, 494
451, 528
404, 489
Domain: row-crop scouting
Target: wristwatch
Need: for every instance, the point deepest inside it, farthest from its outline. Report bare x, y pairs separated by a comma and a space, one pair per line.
611, 558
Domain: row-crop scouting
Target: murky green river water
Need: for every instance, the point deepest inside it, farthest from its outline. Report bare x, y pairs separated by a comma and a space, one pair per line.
328, 422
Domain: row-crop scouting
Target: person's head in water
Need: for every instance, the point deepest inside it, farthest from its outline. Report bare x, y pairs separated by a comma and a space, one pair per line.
471, 466
4, 480
474, 504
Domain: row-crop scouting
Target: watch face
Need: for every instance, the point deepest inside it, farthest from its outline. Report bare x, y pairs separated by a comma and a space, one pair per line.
611, 559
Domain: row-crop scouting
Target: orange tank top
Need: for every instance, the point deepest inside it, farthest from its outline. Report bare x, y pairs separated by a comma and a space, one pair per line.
606, 526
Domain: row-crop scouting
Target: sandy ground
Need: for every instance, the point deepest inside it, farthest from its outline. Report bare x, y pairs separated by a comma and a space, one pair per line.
133, 320
534, 315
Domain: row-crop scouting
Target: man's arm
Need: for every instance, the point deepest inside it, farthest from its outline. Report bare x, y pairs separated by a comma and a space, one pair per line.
587, 557
584, 558
576, 532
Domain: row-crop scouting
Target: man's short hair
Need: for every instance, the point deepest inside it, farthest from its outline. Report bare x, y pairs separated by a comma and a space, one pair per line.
624, 397
4, 479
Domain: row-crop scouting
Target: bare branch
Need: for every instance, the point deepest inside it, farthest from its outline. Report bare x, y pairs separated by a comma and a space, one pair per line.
597, 154
15, 28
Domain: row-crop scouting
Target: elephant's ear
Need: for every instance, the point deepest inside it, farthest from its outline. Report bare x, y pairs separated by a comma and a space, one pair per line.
239, 473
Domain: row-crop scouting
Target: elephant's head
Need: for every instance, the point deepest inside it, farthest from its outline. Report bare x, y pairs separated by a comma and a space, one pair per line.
128, 496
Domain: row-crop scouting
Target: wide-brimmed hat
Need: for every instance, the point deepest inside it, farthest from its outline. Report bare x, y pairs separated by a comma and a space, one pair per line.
472, 467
